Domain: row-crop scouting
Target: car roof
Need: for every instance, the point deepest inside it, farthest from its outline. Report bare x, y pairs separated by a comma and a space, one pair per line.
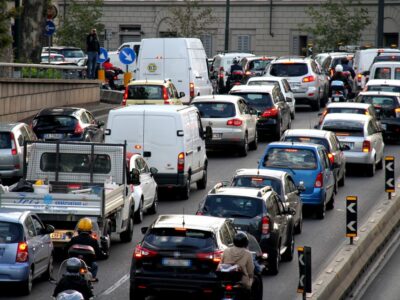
349, 105
240, 191
62, 48
204, 223
307, 133
211, 98
355, 117
260, 57
9, 126
386, 64
379, 50
295, 145
382, 93
149, 82
253, 88
234, 54
290, 59
260, 172
151, 108
56, 111
266, 78
11, 215
393, 82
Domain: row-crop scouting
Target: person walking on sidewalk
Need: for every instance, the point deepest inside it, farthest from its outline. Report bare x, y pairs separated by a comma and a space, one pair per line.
93, 50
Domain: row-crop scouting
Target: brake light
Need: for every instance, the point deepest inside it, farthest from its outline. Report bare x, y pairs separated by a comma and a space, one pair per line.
366, 146
265, 225
165, 95
319, 181
181, 162
22, 252
270, 112
215, 256
141, 252
309, 79
359, 77
397, 112
331, 158
234, 122
199, 213
191, 89
78, 129
249, 73
13, 144
228, 287
125, 97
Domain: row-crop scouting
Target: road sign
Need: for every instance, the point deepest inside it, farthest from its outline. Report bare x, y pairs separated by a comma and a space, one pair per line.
390, 186
50, 28
127, 56
304, 285
103, 56
351, 217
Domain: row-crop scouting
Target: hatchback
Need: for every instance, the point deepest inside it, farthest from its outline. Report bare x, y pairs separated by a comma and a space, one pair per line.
255, 65
362, 134
308, 163
67, 123
26, 250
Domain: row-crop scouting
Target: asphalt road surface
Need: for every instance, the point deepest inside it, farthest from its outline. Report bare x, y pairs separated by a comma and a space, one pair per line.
323, 236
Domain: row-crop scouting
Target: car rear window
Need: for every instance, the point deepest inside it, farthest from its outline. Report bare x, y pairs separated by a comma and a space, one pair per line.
292, 158
145, 92
344, 127
216, 109
306, 139
5, 140
49, 122
257, 182
10, 233
229, 206
258, 64
346, 110
382, 73
260, 100
385, 101
384, 88
179, 238
75, 163
289, 70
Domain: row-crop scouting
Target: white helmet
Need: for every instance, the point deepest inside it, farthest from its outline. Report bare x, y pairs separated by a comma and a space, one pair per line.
339, 68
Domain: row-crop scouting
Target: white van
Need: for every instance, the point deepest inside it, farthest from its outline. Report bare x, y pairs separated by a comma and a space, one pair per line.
169, 137
385, 70
182, 60
363, 60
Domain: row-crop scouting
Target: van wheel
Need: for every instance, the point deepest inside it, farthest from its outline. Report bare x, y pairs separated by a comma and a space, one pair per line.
126, 236
26, 286
202, 184
245, 147
185, 191
254, 145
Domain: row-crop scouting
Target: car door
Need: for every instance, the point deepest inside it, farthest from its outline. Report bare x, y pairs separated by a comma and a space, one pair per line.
292, 196
44, 245
376, 139
284, 108
329, 178
248, 119
280, 221
145, 179
34, 245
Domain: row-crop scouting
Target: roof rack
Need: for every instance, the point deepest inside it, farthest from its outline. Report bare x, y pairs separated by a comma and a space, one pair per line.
218, 186
264, 190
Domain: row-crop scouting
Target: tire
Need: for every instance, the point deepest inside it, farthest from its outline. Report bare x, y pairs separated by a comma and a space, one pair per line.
331, 204
202, 184
245, 147
154, 207
321, 210
139, 214
126, 236
316, 106
288, 254
273, 262
254, 144
379, 165
292, 115
371, 169
299, 227
185, 191
342, 180
134, 294
107, 235
26, 286
47, 275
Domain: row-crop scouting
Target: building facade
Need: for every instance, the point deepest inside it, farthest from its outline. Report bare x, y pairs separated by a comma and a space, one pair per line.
270, 27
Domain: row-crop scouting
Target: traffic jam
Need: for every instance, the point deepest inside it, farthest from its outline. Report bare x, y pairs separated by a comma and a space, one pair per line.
75, 185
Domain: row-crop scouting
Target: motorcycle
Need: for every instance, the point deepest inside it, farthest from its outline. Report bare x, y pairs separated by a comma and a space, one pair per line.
339, 91
236, 78
112, 77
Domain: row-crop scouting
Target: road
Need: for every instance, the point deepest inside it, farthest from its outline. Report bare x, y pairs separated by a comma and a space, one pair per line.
323, 236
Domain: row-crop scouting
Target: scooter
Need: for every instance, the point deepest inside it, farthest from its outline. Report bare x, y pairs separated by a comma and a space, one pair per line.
83, 252
339, 92
236, 78
230, 277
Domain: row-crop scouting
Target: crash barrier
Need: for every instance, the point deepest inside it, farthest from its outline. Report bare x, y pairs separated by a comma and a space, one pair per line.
351, 260
111, 96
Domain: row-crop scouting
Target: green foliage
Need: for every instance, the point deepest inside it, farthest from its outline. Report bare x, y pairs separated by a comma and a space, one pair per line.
336, 22
79, 20
190, 20
5, 16
28, 72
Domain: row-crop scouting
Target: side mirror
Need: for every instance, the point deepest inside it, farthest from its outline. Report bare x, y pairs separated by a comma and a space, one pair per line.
290, 211
208, 133
365, 73
100, 123
49, 229
153, 171
134, 177
301, 188
144, 230
181, 94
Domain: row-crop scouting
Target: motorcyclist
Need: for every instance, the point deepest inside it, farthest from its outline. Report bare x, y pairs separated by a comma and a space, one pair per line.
234, 68
84, 237
110, 72
73, 280
347, 67
339, 76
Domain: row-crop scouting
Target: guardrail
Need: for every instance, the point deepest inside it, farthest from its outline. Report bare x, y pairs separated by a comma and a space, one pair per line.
48, 71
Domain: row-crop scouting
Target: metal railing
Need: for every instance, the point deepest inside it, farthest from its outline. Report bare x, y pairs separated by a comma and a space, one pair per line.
42, 71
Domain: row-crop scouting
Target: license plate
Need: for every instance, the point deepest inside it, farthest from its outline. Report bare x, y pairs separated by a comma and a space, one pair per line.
350, 145
57, 236
217, 136
294, 84
172, 262
384, 126
336, 99
53, 136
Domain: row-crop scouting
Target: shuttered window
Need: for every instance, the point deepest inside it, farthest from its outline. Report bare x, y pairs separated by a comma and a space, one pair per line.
206, 39
244, 43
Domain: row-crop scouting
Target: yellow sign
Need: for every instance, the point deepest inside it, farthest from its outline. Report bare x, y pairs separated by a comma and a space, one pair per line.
151, 67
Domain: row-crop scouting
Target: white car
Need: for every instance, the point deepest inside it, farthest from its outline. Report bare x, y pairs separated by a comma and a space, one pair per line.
283, 84
362, 134
145, 194
383, 85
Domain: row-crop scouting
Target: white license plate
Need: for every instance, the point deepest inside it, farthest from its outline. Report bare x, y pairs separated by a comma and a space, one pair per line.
217, 136
384, 126
58, 236
336, 99
173, 262
53, 136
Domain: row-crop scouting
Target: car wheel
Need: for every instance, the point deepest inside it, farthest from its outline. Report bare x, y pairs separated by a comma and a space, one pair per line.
126, 236
320, 212
139, 213
292, 115
278, 132
341, 181
245, 147
202, 184
371, 169
331, 203
288, 254
317, 105
299, 227
273, 262
153, 208
379, 165
26, 286
185, 191
254, 145
49, 271
135, 294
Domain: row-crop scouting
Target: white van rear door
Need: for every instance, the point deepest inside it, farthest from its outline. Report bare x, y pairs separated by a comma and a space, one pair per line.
151, 60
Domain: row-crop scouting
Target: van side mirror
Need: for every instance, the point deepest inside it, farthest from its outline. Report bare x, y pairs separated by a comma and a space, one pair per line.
208, 133
365, 73
134, 177
181, 94
153, 171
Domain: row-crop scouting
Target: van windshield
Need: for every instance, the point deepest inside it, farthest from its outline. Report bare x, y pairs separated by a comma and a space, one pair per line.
215, 109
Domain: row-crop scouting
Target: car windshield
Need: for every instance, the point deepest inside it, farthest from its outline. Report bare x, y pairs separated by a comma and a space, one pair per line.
229, 206
258, 64
383, 101
382, 73
346, 110
52, 58
344, 127
56, 121
384, 88
145, 92
10, 233
72, 53
292, 158
289, 69
218, 110
257, 100
257, 182
179, 238
75, 163
5, 140
306, 139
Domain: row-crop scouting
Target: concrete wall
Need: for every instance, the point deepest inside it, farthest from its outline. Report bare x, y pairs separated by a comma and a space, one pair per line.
22, 98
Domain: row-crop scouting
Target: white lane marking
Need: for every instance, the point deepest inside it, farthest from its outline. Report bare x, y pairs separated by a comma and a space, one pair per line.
116, 285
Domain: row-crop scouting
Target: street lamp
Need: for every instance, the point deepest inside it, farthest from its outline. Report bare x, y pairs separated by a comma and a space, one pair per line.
228, 4
381, 8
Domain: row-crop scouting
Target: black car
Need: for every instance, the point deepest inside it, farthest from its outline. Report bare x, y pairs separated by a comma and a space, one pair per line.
180, 253
67, 123
259, 212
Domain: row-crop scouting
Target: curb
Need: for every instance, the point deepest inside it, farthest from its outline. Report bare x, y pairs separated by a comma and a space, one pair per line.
351, 260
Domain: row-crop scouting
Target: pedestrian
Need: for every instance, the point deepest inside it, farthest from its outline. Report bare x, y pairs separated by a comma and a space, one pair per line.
93, 50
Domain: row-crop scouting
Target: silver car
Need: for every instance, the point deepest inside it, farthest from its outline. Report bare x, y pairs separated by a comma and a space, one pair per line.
308, 83
12, 137
362, 134
232, 121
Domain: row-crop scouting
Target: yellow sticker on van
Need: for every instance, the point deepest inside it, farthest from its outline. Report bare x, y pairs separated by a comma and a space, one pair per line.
151, 67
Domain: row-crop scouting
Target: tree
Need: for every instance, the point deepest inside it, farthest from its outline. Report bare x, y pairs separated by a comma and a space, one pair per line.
190, 20
336, 22
5, 31
80, 18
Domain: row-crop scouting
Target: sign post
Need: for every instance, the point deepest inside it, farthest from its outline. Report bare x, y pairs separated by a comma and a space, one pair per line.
127, 56
304, 285
351, 217
103, 56
389, 176
49, 30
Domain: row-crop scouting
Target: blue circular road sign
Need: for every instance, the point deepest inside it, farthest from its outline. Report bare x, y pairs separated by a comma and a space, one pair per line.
127, 56
103, 56
50, 28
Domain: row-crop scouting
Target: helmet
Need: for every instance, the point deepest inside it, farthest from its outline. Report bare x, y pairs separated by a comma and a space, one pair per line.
241, 240
235, 60
85, 224
345, 61
73, 265
70, 295
339, 68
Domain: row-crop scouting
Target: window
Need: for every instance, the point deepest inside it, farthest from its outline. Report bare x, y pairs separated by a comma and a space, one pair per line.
382, 73
129, 33
206, 39
228, 206
257, 182
256, 100
38, 225
30, 228
84, 118
215, 109
10, 233
344, 127
334, 143
225, 235
301, 159
306, 139
141, 165
397, 73
145, 92
292, 186
90, 117
5, 140
244, 43
324, 162
289, 70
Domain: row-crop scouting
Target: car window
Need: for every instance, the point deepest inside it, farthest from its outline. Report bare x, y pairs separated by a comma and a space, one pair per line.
279, 204
245, 108
256, 100
382, 73
258, 64
292, 185
54, 121
90, 117
306, 139
231, 229
324, 162
334, 144
10, 232
287, 85
215, 109
75, 163
145, 92
37, 224
257, 182
384, 88
377, 100
288, 69
397, 73
25, 135
84, 118
346, 110
225, 236
32, 135
344, 127
138, 164
174, 91
200, 125
20, 139
5, 140
293, 158
230, 206
30, 227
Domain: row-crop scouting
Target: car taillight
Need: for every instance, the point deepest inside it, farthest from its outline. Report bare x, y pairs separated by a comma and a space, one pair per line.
366, 146
228, 287
309, 79
319, 181
22, 252
265, 225
359, 77
125, 97
215, 256
199, 213
331, 158
78, 129
141, 252
165, 95
181, 162
13, 144
397, 112
234, 122
248, 73
191, 89
270, 112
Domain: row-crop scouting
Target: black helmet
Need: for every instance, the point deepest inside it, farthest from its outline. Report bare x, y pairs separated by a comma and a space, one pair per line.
73, 265
241, 240
235, 60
